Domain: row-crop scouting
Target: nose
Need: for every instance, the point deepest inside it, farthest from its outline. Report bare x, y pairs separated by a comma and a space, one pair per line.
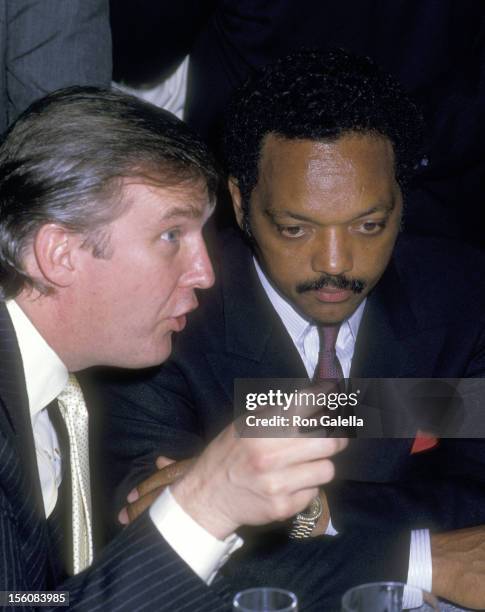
200, 274
332, 252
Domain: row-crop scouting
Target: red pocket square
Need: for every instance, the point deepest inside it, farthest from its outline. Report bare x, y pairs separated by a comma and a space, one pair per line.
423, 442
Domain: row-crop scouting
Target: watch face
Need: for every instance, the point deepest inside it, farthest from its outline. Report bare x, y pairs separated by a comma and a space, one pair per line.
312, 512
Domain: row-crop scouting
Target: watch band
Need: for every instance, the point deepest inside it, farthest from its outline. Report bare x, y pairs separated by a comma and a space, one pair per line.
304, 522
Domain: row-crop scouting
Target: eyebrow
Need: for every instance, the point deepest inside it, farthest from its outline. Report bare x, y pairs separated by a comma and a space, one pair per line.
274, 214
187, 212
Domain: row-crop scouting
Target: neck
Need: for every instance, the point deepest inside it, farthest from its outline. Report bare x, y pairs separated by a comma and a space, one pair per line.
47, 314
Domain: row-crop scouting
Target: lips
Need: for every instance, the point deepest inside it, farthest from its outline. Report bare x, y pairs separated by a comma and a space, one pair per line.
180, 323
332, 295
180, 318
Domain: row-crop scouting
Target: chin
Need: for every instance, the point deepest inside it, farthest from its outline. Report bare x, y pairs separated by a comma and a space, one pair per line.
333, 316
328, 314
153, 355
329, 320
162, 351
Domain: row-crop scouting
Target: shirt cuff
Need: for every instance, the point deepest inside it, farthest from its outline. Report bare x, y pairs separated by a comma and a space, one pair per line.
330, 530
202, 552
420, 570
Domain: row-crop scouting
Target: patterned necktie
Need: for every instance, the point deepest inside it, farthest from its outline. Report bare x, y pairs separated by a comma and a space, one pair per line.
74, 412
328, 366
329, 375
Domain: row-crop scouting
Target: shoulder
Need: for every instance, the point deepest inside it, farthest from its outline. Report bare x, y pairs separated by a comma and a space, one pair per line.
442, 275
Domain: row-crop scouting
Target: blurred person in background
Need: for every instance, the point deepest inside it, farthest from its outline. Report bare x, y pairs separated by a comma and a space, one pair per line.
49, 44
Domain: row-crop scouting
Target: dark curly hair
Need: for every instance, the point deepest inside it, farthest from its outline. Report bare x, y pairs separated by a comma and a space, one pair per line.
318, 96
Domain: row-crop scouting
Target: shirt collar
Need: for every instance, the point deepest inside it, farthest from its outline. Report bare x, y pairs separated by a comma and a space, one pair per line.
45, 374
296, 325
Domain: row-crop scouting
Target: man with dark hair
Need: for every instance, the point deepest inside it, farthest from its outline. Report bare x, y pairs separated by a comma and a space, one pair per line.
318, 150
102, 203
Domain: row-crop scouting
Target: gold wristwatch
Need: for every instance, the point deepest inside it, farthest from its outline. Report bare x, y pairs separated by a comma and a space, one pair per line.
304, 522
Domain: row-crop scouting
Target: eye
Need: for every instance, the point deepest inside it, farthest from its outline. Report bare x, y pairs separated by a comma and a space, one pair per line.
171, 235
291, 231
371, 228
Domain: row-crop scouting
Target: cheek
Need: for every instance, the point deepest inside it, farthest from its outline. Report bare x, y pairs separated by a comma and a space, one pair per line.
153, 280
158, 293
285, 265
166, 292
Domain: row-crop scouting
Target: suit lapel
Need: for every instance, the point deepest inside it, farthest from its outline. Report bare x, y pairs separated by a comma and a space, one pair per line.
14, 397
382, 349
14, 401
253, 329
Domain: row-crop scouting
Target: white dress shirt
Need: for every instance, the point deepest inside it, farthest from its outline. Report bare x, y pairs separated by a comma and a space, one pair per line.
45, 377
306, 340
169, 94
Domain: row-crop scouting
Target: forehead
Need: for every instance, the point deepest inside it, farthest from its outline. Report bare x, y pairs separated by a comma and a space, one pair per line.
187, 200
353, 167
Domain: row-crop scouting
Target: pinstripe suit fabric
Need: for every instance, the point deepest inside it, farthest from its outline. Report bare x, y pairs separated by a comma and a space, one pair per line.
137, 571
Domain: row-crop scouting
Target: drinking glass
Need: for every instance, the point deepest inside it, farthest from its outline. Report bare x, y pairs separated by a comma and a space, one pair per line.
377, 597
265, 599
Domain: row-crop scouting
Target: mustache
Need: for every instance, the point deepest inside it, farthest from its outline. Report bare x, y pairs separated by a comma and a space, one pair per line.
337, 282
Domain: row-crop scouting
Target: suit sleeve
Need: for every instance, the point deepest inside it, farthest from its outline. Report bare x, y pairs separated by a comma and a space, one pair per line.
444, 490
138, 570
144, 415
51, 44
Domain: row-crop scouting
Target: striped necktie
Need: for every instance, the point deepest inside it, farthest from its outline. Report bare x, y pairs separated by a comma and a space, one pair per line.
75, 415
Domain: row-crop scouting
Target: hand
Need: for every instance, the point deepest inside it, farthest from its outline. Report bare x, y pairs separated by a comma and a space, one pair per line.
459, 566
144, 494
253, 481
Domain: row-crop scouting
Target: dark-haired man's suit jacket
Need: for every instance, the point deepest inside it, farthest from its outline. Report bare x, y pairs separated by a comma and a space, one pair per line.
425, 318
138, 570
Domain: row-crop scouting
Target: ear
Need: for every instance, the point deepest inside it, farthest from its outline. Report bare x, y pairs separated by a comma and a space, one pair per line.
54, 252
233, 187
